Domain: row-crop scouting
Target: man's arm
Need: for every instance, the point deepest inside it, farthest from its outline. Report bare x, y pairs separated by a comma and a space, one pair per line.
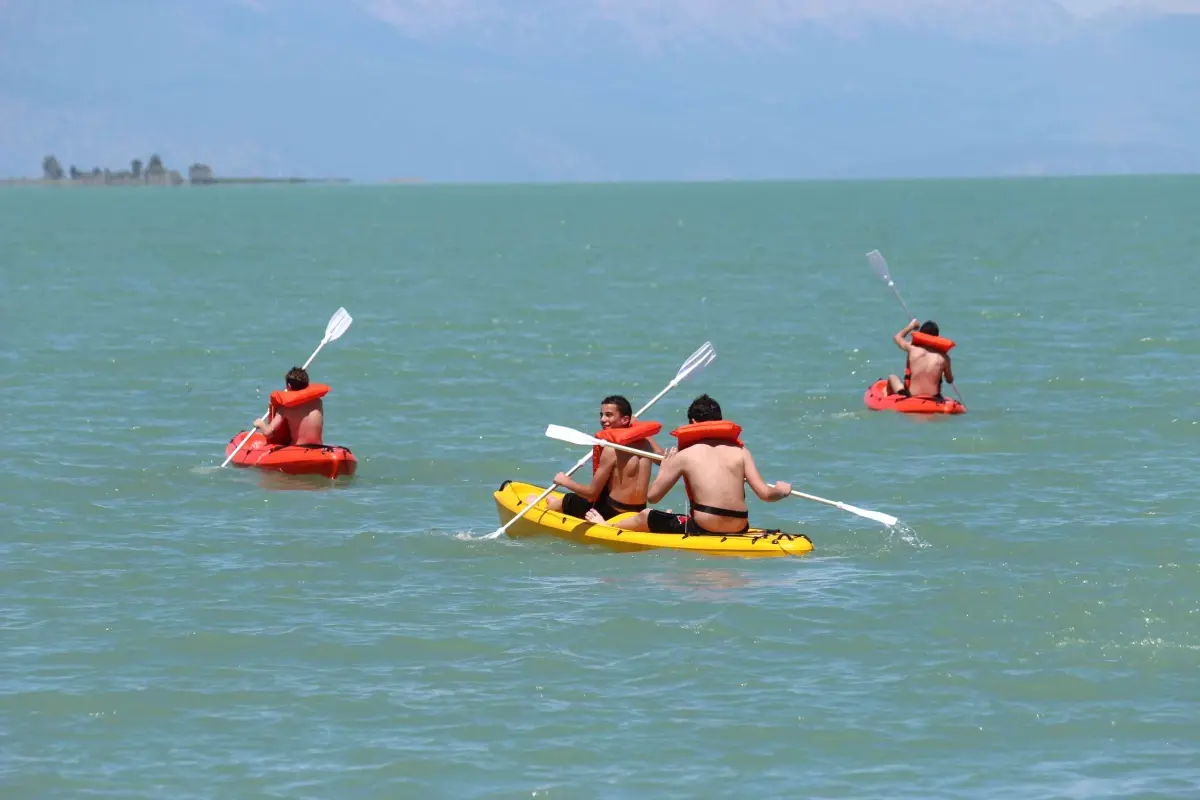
780, 490
948, 371
608, 458
899, 339
669, 470
269, 429
655, 446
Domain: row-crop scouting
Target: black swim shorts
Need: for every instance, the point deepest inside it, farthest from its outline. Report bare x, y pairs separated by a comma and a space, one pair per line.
662, 522
576, 506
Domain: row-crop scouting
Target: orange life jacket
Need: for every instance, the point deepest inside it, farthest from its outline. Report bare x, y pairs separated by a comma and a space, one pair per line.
291, 399
935, 343
720, 429
636, 432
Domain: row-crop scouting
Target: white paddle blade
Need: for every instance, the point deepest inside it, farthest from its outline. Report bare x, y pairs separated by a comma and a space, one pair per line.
699, 360
338, 324
696, 361
579, 437
571, 435
883, 519
704, 355
879, 264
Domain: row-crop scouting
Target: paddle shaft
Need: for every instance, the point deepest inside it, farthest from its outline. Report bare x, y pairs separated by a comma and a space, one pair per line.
246, 438
896, 292
886, 519
827, 502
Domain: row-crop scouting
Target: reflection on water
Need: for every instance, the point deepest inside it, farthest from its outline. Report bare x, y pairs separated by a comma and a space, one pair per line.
282, 482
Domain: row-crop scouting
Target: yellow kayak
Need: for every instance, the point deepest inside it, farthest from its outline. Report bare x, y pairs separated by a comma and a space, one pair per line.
541, 521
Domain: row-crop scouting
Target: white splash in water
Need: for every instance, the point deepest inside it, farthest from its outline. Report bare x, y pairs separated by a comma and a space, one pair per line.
906, 534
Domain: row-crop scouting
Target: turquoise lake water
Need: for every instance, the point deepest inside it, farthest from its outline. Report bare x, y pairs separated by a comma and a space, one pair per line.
170, 629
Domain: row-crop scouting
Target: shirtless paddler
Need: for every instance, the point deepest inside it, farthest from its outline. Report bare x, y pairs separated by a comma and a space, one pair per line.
619, 480
715, 466
928, 361
297, 416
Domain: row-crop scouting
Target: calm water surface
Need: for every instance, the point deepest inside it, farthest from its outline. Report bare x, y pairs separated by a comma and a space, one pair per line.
170, 629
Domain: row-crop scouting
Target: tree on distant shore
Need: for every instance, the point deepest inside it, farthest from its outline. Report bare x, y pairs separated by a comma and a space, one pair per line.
51, 169
154, 172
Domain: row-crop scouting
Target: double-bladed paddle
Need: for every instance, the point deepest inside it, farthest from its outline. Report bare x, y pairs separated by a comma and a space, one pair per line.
880, 265
338, 324
580, 438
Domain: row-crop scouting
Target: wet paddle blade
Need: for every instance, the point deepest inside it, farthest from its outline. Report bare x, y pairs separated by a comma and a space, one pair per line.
880, 265
696, 360
572, 436
883, 519
338, 324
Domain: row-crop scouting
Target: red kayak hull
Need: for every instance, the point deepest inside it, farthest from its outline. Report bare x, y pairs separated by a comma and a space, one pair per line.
329, 460
877, 400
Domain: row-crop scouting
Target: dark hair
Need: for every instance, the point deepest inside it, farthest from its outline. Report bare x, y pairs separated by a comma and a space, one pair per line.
623, 407
704, 409
297, 379
930, 328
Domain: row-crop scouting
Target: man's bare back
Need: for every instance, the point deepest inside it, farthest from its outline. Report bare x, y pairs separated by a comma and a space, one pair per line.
926, 368
716, 475
301, 424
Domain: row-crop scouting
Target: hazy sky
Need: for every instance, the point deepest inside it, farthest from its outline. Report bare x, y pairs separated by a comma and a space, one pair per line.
480, 90
1097, 6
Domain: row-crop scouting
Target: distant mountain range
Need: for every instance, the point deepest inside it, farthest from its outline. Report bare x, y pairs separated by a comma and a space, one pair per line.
604, 89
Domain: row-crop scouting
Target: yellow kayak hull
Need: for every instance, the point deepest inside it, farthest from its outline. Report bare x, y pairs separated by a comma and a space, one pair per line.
541, 521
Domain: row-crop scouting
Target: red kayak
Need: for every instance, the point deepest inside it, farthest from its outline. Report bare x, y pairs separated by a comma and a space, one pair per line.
877, 400
329, 460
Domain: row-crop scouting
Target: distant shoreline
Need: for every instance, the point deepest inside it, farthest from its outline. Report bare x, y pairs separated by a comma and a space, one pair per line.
68, 182
1050, 176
